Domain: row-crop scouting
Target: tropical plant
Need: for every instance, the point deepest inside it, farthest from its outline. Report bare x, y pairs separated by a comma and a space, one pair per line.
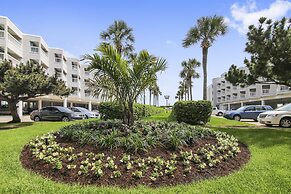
205, 31
121, 36
188, 73
124, 79
25, 81
182, 90
154, 90
269, 45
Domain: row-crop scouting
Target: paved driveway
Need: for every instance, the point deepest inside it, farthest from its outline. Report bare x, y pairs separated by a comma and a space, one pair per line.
5, 119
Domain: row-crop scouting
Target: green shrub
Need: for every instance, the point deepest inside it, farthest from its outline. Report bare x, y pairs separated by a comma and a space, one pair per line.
112, 110
192, 112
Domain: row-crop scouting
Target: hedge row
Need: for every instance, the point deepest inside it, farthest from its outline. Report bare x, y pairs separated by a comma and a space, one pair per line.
112, 110
192, 112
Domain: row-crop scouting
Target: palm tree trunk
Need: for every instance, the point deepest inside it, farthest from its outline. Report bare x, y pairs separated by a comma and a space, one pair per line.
150, 97
190, 89
204, 66
13, 110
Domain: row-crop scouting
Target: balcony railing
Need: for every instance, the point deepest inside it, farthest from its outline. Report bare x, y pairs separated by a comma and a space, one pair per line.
87, 94
14, 40
34, 49
13, 60
234, 87
266, 91
2, 34
252, 94
234, 97
59, 75
45, 53
242, 96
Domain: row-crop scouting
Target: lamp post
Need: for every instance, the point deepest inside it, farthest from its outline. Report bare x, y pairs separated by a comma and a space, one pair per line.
167, 97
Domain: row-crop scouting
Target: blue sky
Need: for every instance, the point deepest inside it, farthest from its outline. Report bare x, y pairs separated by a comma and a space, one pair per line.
159, 26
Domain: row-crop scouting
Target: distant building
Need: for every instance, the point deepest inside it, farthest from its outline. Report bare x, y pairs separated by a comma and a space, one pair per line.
225, 96
18, 47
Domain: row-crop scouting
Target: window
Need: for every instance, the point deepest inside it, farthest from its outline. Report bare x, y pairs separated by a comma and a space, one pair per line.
58, 58
260, 108
74, 65
74, 78
251, 108
34, 47
74, 90
87, 93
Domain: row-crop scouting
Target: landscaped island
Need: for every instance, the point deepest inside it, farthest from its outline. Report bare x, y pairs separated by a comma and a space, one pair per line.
148, 153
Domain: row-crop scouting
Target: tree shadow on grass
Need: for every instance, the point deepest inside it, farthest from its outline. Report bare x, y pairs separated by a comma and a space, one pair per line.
262, 137
7, 126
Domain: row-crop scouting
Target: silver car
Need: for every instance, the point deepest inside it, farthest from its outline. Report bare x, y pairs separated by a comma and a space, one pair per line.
280, 116
88, 114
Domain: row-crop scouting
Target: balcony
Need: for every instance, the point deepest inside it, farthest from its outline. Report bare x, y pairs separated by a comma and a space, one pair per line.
234, 87
2, 33
87, 73
242, 96
34, 49
14, 40
1, 56
234, 97
13, 60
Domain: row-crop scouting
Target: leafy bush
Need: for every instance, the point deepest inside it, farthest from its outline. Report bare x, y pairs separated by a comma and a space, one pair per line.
112, 110
142, 136
192, 112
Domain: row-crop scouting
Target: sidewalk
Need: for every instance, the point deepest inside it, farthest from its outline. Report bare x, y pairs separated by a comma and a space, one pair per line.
7, 118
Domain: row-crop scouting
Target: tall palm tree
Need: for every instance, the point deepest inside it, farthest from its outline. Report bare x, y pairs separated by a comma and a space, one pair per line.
124, 79
188, 73
156, 92
121, 36
205, 31
182, 89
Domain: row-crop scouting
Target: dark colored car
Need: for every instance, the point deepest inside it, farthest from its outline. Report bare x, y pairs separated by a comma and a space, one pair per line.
55, 113
247, 112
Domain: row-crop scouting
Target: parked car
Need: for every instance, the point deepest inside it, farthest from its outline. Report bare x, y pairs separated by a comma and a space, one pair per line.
88, 114
217, 112
280, 116
55, 113
247, 112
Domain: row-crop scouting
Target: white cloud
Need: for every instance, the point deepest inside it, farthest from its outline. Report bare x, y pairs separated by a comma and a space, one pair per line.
169, 42
247, 14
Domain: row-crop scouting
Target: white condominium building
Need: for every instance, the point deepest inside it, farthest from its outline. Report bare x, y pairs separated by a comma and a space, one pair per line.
225, 96
18, 47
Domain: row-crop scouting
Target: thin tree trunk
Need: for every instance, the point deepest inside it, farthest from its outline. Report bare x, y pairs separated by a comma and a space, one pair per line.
190, 89
204, 66
13, 111
150, 98
130, 114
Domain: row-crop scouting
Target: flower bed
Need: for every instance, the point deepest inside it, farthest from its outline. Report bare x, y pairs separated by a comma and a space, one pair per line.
149, 153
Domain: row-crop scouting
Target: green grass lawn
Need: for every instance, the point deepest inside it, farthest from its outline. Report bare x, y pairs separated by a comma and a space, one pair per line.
268, 171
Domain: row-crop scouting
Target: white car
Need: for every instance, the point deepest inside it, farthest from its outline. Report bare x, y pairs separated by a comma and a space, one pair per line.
217, 112
280, 116
88, 114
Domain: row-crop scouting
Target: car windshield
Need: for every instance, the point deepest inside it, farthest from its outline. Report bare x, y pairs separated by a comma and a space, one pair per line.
286, 107
74, 109
63, 109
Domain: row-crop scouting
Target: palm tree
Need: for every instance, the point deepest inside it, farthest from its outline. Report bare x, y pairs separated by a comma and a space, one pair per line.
205, 31
124, 80
155, 90
121, 36
182, 90
188, 73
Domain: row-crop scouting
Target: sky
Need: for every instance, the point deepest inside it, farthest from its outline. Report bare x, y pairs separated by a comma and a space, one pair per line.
159, 26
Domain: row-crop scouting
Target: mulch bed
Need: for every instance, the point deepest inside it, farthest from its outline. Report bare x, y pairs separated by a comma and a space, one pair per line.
126, 180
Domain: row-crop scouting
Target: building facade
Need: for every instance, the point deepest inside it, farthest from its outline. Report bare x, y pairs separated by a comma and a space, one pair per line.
18, 47
225, 96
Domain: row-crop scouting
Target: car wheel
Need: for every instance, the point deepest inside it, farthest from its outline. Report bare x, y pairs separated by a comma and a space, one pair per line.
65, 119
236, 117
219, 114
285, 122
36, 118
